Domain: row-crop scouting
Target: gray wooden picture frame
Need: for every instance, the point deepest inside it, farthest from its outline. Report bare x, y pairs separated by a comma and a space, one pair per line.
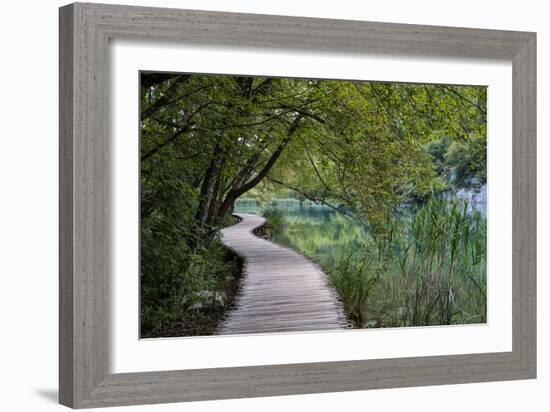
85, 31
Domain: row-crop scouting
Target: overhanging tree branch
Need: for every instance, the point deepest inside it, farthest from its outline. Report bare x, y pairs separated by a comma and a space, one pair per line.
176, 134
314, 199
304, 113
234, 193
464, 98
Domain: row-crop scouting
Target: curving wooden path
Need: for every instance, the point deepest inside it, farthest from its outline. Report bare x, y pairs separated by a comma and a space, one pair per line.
281, 290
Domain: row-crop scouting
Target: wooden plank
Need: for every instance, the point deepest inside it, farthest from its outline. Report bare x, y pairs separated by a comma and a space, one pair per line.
281, 289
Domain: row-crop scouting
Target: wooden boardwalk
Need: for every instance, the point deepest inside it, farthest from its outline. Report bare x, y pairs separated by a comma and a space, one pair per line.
281, 290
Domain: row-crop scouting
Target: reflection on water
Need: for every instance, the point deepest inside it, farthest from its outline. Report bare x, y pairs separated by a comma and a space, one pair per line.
319, 231
324, 235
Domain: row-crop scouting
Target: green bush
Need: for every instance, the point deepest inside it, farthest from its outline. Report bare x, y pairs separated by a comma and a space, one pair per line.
187, 277
462, 163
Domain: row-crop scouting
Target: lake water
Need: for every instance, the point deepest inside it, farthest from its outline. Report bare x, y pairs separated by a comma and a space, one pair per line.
318, 231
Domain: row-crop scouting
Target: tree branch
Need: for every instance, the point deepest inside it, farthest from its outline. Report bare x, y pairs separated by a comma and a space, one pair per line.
464, 98
310, 197
303, 113
233, 194
185, 129
165, 98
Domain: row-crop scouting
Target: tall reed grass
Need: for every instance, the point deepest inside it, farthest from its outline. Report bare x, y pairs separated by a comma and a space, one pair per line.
429, 270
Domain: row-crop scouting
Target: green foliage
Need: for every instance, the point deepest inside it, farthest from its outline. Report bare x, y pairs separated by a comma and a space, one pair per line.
467, 160
187, 278
185, 293
462, 163
438, 150
353, 144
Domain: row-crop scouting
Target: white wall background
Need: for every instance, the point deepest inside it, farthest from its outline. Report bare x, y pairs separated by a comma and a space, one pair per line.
28, 205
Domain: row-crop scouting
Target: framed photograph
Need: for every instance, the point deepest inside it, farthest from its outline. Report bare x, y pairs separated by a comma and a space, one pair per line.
256, 205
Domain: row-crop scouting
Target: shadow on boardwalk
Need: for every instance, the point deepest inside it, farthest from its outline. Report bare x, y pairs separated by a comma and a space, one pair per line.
281, 290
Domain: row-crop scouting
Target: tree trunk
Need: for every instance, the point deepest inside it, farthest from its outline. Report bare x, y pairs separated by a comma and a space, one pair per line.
208, 187
214, 200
